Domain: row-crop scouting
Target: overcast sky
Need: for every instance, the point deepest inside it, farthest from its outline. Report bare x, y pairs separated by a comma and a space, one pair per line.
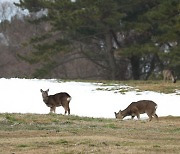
9, 0
9, 12
18, 0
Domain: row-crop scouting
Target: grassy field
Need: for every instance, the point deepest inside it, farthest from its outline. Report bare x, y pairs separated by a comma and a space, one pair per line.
148, 85
139, 85
58, 134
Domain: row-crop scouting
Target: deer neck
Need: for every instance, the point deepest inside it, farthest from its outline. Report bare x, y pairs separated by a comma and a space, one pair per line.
124, 113
45, 99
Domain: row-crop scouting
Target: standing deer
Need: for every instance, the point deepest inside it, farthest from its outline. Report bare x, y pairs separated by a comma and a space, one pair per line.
169, 75
59, 99
137, 108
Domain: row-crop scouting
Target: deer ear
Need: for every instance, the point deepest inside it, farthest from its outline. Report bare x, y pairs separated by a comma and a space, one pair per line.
41, 90
47, 90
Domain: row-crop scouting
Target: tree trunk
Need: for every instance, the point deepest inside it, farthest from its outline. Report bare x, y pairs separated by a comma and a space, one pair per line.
135, 63
152, 67
110, 56
154, 61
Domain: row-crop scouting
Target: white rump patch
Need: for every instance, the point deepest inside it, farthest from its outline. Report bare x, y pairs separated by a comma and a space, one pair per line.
69, 98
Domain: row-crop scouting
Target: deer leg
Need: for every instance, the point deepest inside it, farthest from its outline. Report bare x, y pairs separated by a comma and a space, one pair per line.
138, 116
65, 108
156, 116
132, 117
68, 110
54, 109
51, 109
150, 116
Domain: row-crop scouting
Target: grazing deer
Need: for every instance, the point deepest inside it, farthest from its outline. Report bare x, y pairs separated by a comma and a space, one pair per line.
169, 75
59, 99
137, 108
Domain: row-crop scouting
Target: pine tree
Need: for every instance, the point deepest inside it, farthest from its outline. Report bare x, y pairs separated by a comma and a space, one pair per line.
153, 27
82, 21
150, 30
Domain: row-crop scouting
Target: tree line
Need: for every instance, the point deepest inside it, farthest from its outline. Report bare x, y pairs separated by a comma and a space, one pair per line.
122, 38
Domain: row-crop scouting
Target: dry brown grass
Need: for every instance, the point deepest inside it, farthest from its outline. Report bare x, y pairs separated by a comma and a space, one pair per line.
54, 134
140, 85
158, 86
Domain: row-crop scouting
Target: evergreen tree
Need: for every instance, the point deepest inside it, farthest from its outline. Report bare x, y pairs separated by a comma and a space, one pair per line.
150, 31
165, 19
82, 21
153, 27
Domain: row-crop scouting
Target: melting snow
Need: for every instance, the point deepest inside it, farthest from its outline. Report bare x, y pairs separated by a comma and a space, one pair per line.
24, 96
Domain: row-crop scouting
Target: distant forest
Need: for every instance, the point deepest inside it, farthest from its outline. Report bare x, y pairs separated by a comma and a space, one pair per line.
89, 39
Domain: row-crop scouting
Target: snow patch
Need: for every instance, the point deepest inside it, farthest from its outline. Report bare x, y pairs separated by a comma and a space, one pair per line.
24, 96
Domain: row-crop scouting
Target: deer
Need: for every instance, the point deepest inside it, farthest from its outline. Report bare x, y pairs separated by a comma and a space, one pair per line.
60, 99
136, 108
169, 75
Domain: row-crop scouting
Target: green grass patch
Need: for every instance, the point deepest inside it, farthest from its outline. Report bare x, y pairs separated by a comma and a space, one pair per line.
22, 146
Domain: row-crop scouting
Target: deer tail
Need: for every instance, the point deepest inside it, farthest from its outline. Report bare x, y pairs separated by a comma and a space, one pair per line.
69, 99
